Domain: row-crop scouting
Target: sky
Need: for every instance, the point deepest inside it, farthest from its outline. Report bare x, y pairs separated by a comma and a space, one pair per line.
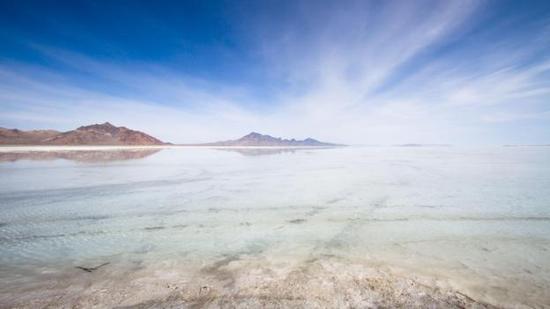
354, 72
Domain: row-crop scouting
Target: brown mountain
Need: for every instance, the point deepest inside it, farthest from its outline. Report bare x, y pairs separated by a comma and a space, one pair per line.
257, 139
18, 137
96, 134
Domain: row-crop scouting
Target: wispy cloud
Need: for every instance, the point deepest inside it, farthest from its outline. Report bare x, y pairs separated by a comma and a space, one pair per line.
364, 72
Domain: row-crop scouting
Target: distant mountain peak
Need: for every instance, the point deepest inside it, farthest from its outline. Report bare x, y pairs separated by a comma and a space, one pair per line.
253, 135
106, 126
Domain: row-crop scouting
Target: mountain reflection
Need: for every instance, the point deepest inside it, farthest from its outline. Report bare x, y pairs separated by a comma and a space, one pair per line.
79, 155
269, 151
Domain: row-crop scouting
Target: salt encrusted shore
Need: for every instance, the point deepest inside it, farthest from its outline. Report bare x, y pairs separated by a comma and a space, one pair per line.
240, 282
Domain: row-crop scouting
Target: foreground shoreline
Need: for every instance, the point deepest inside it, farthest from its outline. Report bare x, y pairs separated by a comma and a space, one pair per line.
245, 282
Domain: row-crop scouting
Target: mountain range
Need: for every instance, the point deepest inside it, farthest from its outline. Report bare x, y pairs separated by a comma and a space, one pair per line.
96, 134
108, 134
257, 139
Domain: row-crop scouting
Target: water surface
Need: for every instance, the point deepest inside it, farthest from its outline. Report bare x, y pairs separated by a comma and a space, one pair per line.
475, 220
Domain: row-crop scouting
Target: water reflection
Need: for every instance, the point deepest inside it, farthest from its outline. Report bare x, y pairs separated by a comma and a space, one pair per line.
79, 156
252, 152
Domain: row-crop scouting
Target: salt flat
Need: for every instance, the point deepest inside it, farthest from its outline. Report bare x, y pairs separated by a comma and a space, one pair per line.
331, 227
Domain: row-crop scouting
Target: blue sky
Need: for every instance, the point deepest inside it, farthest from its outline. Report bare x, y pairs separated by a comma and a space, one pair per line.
360, 72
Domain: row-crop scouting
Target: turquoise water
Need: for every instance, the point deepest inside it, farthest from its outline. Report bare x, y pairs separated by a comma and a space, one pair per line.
478, 218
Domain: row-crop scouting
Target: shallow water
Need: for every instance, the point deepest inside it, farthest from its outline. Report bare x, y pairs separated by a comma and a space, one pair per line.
476, 220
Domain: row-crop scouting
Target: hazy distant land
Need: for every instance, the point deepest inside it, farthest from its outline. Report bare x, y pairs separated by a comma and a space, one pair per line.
527, 145
257, 139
